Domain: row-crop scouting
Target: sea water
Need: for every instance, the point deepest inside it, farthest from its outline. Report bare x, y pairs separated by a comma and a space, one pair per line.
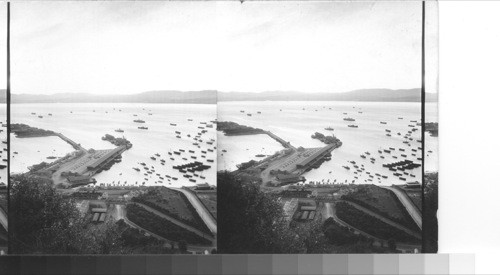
87, 123
297, 121
3, 140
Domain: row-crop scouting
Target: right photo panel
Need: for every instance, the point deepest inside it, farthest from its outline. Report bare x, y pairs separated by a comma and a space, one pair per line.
320, 128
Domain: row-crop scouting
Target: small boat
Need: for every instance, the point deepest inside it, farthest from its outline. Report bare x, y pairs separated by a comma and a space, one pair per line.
119, 131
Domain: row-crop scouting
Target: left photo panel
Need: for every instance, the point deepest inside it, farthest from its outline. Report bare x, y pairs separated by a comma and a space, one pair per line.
112, 129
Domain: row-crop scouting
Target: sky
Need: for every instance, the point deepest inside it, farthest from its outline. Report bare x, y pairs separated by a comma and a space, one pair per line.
110, 47
3, 45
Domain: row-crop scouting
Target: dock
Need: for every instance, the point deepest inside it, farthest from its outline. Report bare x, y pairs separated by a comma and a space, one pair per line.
295, 164
283, 142
104, 159
75, 145
314, 157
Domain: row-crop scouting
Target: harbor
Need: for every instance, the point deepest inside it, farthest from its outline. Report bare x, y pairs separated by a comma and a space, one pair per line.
400, 120
191, 135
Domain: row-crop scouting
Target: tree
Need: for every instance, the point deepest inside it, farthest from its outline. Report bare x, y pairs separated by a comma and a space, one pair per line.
183, 246
392, 244
430, 212
44, 221
254, 222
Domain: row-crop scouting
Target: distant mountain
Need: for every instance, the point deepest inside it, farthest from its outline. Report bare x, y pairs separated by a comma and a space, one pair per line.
3, 96
376, 95
195, 97
212, 96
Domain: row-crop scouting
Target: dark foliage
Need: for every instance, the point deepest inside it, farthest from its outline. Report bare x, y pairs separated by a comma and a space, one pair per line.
254, 222
407, 221
430, 225
43, 221
371, 225
162, 227
155, 195
339, 235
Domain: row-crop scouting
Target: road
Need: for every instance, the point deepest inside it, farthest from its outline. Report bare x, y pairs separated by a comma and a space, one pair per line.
177, 222
386, 220
329, 211
190, 248
408, 204
205, 215
3, 219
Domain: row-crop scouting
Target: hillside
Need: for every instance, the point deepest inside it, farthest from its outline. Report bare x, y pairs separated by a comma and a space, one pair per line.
194, 97
375, 95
